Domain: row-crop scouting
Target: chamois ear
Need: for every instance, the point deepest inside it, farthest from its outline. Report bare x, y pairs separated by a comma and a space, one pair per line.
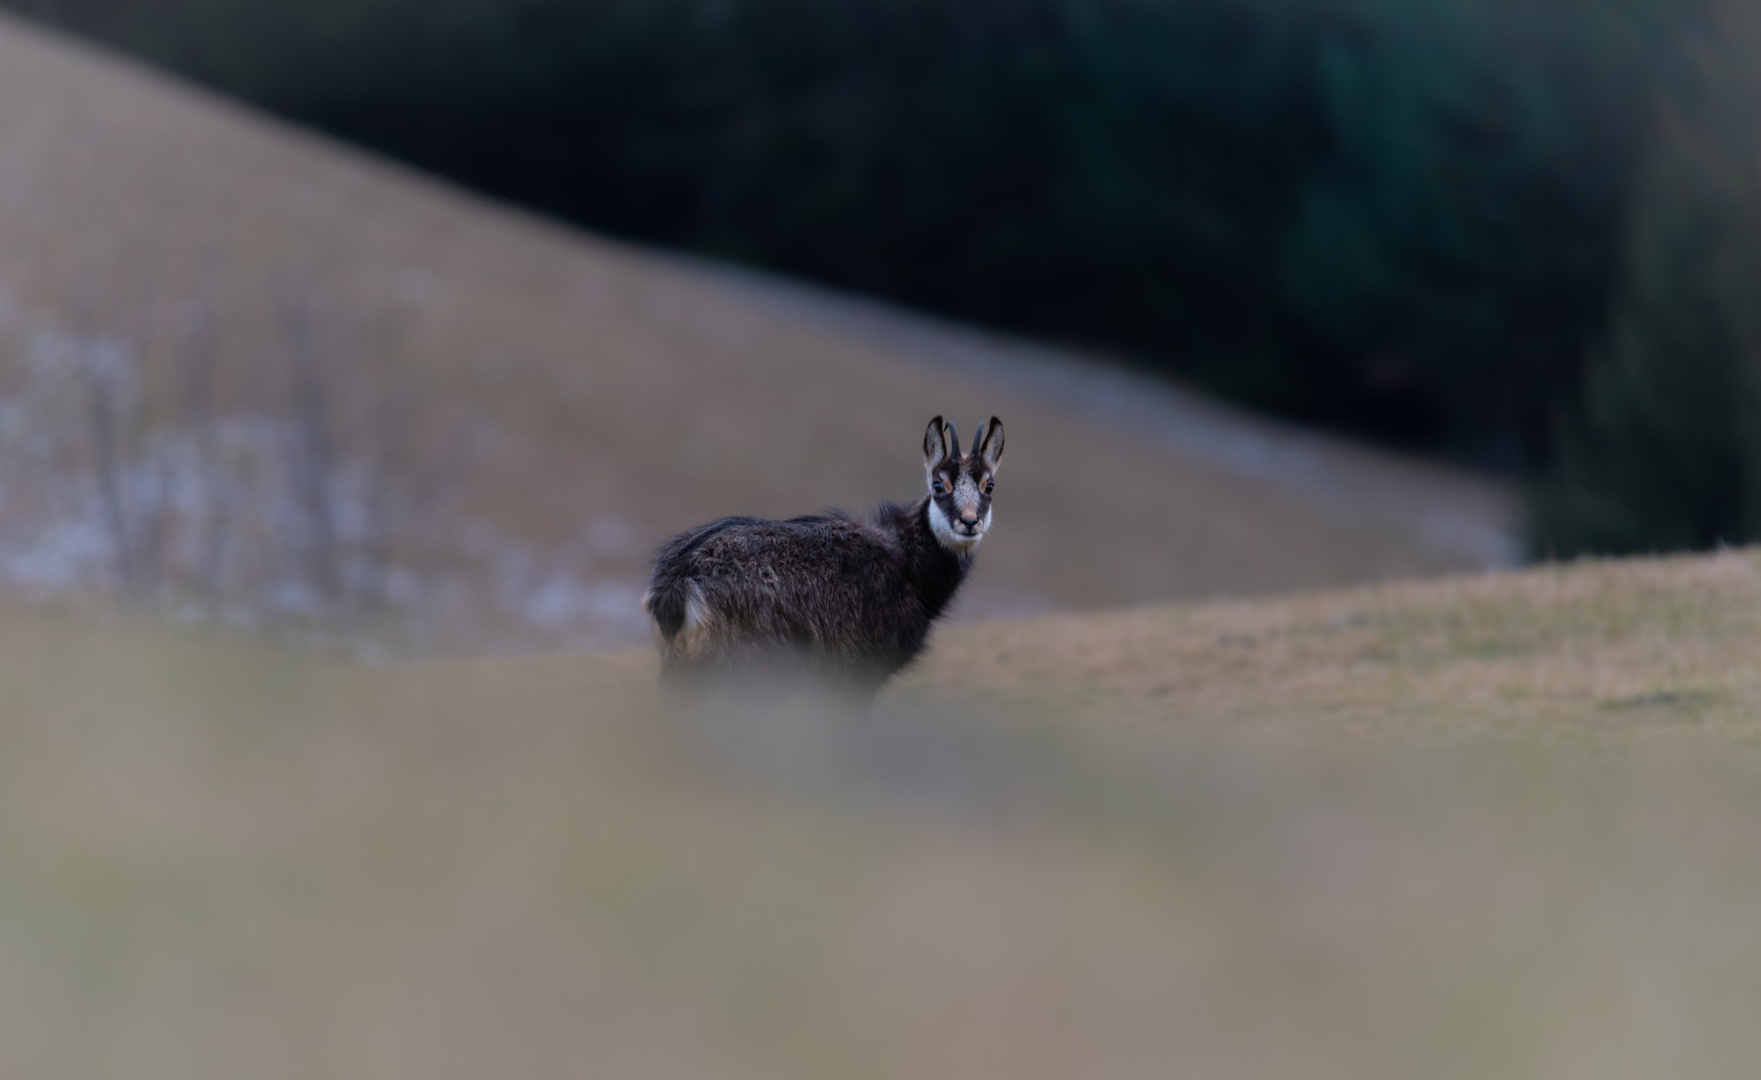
935, 444
990, 444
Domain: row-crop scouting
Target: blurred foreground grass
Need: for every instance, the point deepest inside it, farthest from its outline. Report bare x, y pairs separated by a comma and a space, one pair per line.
1498, 826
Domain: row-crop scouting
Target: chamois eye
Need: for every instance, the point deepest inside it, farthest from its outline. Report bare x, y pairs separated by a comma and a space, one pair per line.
940, 489
988, 485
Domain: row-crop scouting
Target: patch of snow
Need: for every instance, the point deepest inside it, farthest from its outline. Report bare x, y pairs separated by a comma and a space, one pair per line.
59, 557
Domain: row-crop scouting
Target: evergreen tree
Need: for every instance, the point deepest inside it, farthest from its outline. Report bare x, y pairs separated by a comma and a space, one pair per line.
1664, 450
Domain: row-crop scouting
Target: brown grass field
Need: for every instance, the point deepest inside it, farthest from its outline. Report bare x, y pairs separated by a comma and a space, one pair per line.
1489, 826
546, 405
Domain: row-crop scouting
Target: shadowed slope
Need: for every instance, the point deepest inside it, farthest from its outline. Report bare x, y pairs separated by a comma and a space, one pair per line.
481, 422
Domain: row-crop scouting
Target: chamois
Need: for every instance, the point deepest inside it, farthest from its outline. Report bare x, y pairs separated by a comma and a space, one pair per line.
840, 599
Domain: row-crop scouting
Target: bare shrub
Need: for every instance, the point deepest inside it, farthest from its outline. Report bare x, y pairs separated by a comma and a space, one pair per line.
284, 477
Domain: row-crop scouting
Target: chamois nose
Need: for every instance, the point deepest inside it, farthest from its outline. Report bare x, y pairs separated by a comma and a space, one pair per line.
969, 521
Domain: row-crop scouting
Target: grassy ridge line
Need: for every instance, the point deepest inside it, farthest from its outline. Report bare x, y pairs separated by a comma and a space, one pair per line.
1588, 653
1643, 648
1615, 649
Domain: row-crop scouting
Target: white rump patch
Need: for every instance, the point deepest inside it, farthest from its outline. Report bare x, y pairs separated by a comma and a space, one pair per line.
696, 611
695, 633
698, 631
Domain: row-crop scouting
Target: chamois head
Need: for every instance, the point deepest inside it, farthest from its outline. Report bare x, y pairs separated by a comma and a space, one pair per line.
960, 487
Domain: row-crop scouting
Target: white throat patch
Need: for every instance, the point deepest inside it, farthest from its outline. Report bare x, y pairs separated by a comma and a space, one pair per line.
958, 543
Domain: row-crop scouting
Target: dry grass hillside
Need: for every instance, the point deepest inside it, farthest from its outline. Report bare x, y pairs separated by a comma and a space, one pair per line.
1490, 826
251, 375
1595, 653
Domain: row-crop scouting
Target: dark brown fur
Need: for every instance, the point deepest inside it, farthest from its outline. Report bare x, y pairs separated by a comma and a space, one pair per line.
837, 598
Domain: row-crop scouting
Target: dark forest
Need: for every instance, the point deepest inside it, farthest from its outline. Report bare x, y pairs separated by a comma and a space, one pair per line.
1518, 235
